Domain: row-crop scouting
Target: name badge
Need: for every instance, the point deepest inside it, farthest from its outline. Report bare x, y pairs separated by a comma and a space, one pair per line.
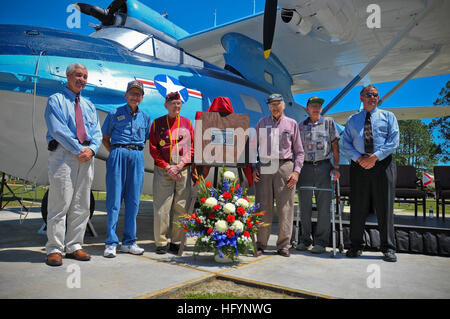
121, 117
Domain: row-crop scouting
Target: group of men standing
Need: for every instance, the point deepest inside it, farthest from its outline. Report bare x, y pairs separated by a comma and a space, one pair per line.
303, 155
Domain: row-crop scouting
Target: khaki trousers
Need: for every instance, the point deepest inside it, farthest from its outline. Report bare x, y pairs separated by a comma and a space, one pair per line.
69, 199
270, 187
169, 196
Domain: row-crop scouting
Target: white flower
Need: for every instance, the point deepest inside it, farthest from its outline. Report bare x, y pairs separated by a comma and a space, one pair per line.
237, 226
229, 208
211, 202
205, 239
221, 226
243, 203
229, 175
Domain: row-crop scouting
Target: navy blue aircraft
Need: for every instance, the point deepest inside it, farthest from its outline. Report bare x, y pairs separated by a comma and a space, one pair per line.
316, 45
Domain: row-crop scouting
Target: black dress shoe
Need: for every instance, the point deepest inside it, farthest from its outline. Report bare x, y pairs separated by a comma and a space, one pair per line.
353, 253
174, 248
161, 250
390, 256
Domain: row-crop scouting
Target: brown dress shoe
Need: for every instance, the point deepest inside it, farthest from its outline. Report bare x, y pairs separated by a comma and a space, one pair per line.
79, 254
284, 252
54, 259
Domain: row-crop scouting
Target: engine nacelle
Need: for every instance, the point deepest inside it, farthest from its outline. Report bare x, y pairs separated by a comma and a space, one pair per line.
295, 21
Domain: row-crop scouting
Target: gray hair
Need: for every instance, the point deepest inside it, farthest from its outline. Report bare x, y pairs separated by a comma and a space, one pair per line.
370, 86
71, 68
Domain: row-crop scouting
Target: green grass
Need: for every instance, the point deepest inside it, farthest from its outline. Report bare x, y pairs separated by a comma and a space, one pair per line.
217, 295
28, 194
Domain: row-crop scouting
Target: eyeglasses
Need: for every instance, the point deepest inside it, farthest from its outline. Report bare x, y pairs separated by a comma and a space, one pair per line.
371, 94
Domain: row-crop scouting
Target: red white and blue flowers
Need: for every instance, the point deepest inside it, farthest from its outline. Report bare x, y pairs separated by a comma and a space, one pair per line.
226, 221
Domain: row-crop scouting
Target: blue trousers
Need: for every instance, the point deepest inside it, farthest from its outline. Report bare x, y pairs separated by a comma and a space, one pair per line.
124, 181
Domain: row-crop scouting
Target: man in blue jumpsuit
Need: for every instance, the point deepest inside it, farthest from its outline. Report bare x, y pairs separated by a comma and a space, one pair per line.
125, 131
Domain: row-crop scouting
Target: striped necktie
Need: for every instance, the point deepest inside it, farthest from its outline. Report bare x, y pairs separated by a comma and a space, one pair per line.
368, 136
81, 130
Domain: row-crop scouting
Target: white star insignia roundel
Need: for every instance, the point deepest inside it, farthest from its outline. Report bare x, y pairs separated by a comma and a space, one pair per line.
166, 84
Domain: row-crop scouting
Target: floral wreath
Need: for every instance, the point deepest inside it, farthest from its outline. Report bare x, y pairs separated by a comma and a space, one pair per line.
226, 222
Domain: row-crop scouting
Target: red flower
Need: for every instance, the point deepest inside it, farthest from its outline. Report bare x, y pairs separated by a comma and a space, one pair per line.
241, 211
208, 184
229, 233
246, 234
193, 216
212, 216
209, 231
217, 207
230, 218
226, 195
198, 221
203, 200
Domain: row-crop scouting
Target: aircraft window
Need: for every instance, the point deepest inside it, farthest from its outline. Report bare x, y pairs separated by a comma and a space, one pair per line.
166, 52
146, 47
126, 37
268, 77
189, 59
251, 103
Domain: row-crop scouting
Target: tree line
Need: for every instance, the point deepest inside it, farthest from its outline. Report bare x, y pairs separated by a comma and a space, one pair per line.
424, 146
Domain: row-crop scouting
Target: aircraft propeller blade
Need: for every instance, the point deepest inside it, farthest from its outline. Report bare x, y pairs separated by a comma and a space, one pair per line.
96, 12
270, 18
106, 16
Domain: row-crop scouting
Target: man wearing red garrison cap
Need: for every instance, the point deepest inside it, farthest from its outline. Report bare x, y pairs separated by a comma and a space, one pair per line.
172, 148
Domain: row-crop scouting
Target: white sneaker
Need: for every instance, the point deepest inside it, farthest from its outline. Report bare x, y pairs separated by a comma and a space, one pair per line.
132, 249
110, 251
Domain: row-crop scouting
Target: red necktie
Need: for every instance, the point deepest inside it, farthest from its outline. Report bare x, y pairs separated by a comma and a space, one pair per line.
81, 130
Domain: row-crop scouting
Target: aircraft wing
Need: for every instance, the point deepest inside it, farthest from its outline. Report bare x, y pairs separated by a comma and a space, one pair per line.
402, 113
333, 43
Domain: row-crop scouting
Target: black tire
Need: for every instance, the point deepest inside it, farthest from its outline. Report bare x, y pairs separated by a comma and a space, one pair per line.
44, 206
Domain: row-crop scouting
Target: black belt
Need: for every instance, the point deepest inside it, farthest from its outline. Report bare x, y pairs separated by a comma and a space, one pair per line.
53, 144
129, 146
316, 162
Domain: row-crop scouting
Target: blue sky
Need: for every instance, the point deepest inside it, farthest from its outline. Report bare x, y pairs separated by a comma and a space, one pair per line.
198, 15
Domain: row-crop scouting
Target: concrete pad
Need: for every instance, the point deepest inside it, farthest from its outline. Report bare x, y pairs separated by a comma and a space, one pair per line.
23, 273
412, 276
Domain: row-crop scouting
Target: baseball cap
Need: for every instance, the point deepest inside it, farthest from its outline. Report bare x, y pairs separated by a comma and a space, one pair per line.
275, 97
315, 99
135, 84
173, 96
